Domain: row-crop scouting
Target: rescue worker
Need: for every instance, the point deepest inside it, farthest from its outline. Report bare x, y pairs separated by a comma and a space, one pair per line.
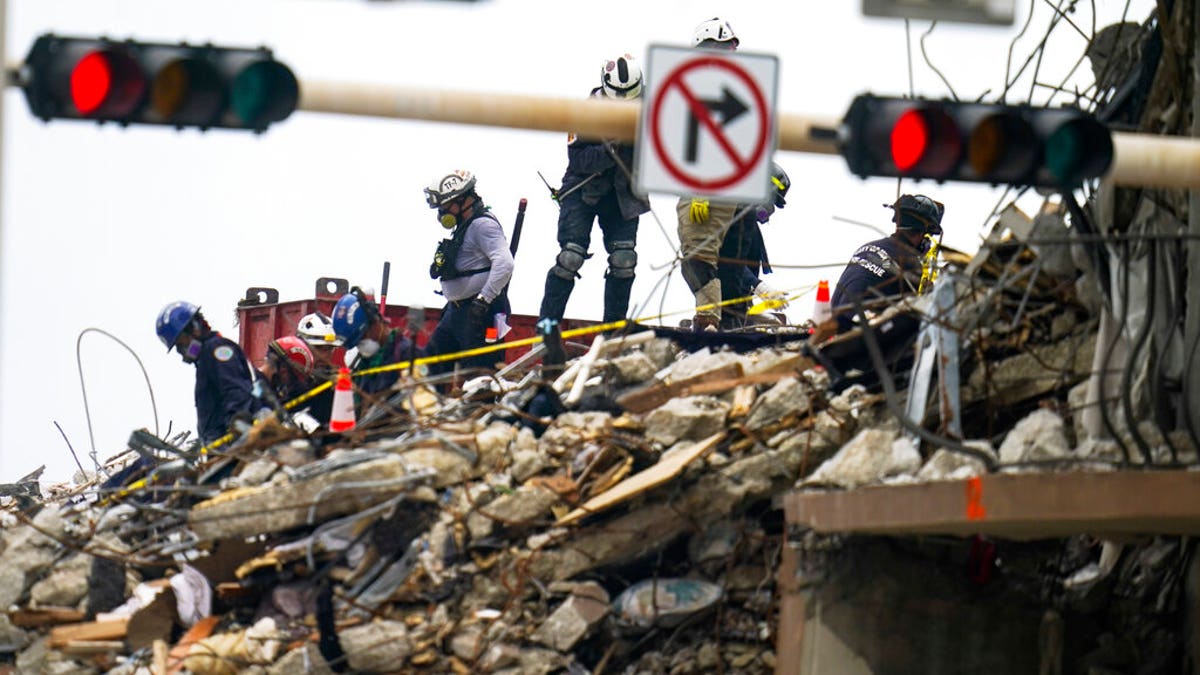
316, 330
702, 225
288, 372
224, 377
358, 323
743, 257
473, 266
888, 267
597, 186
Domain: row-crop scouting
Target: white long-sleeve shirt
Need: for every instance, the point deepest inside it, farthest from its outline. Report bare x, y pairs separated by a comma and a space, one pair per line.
483, 245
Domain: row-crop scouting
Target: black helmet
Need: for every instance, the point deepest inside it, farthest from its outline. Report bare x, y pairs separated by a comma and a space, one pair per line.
781, 183
918, 212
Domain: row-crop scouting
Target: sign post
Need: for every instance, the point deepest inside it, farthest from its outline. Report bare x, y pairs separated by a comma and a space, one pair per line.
709, 124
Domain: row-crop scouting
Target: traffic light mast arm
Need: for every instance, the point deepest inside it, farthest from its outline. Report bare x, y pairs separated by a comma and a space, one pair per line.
1139, 159
1155, 161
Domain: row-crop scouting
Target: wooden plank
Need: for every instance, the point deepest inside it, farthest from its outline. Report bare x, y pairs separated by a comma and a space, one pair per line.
92, 647
113, 629
654, 395
1014, 506
45, 616
642, 481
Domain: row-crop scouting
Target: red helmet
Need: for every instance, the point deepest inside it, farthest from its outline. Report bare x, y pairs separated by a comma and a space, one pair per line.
296, 350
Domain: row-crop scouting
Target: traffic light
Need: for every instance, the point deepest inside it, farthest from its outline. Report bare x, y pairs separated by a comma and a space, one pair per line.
177, 85
977, 142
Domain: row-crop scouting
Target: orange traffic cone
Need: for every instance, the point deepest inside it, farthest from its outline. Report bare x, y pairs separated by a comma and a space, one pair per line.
821, 310
342, 417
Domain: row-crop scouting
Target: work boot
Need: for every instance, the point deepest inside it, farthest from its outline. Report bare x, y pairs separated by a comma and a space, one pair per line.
705, 323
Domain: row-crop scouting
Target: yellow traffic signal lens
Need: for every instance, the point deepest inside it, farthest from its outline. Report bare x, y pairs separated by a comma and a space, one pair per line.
1002, 148
169, 90
186, 91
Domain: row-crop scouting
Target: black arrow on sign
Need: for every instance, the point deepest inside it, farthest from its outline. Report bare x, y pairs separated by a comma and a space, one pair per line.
729, 107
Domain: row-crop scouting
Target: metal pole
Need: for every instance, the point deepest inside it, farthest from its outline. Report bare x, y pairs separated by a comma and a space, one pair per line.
3, 60
1191, 323
1138, 159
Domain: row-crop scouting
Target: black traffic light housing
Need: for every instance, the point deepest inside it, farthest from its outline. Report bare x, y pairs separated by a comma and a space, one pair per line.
179, 85
975, 142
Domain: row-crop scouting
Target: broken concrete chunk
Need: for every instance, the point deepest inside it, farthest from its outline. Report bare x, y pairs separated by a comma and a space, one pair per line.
499, 656
871, 455
662, 352
1040, 436
66, 584
688, 418
376, 647
452, 467
574, 618
949, 465
493, 444
306, 659
468, 642
11, 636
527, 506
528, 463
570, 430
788, 397
261, 510
255, 473
633, 368
698, 363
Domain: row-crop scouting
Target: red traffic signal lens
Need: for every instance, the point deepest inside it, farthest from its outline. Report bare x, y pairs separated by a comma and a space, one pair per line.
91, 81
910, 138
926, 141
106, 83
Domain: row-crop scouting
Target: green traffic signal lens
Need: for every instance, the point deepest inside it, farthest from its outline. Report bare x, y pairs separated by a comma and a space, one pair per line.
1078, 150
263, 92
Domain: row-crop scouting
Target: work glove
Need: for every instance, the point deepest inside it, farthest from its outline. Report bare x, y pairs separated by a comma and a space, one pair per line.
699, 211
775, 298
478, 313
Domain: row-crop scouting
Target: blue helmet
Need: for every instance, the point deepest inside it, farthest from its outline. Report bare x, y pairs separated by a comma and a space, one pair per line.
350, 319
172, 321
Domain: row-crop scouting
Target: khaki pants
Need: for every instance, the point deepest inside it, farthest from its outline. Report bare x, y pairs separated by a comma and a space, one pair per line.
699, 244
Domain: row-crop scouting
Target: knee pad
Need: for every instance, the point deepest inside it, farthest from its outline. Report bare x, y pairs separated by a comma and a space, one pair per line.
570, 259
697, 273
622, 261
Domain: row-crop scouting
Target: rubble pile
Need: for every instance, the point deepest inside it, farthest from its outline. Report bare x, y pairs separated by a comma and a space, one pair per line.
617, 514
634, 535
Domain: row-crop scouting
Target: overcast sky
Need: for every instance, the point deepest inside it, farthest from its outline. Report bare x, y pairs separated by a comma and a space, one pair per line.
102, 226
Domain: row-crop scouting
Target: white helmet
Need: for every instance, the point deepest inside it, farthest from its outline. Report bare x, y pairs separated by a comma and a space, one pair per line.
621, 77
317, 329
715, 30
449, 187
